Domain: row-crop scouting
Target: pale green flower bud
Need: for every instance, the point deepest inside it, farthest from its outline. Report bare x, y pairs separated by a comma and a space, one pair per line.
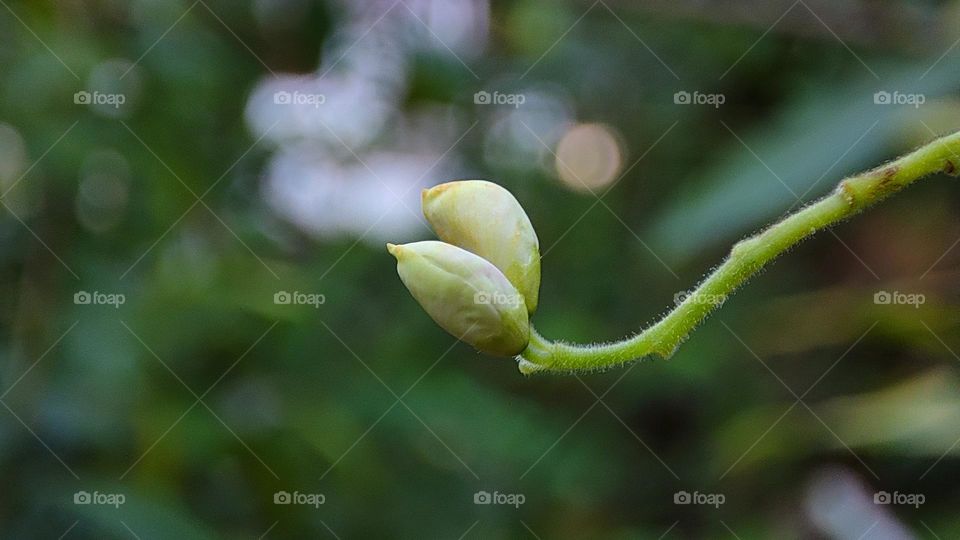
486, 219
466, 295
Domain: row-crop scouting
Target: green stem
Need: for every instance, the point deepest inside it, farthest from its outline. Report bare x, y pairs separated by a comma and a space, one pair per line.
746, 258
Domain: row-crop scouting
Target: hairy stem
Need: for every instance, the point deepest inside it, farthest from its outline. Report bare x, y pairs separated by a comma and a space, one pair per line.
746, 258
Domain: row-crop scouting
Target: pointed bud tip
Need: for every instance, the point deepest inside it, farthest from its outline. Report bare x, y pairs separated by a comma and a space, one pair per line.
432, 192
394, 249
438, 189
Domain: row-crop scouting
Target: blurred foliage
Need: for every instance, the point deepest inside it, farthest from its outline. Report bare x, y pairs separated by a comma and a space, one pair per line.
200, 398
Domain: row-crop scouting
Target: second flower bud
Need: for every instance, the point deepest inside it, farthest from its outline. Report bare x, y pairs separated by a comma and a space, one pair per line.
487, 220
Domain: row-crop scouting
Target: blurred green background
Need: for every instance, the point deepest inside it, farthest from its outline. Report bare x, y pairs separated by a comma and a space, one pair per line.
199, 160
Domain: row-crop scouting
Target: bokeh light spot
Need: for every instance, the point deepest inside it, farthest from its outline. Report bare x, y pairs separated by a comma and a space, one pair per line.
588, 157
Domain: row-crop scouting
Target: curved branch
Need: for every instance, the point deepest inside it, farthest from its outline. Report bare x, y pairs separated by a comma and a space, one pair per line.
746, 258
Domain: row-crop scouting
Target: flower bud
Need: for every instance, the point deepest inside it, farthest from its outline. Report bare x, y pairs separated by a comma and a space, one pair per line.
466, 295
487, 220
